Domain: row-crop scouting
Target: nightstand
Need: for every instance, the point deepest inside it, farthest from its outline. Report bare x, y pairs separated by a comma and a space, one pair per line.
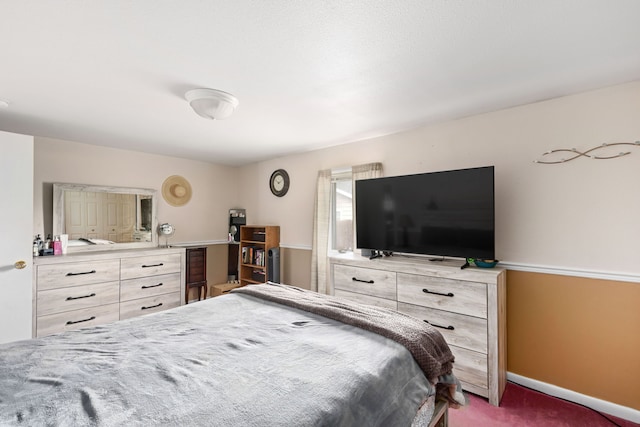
196, 272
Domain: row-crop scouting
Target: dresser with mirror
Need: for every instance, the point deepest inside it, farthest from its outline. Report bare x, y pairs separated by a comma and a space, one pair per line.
113, 268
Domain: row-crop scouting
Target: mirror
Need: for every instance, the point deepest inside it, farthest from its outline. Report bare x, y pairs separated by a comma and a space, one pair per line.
100, 217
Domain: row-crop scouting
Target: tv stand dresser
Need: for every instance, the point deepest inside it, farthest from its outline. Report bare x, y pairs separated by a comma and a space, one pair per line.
468, 306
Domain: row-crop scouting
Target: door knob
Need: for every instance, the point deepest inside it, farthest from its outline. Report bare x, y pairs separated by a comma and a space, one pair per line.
20, 265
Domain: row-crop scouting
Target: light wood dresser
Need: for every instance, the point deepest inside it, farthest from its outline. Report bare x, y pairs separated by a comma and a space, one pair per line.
85, 289
467, 306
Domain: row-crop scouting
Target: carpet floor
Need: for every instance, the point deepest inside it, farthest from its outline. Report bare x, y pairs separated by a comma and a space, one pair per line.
523, 407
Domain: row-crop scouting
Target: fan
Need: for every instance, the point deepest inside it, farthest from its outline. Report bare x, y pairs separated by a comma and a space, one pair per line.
167, 231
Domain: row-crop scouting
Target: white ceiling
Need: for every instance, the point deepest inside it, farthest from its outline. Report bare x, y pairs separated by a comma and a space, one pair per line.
308, 74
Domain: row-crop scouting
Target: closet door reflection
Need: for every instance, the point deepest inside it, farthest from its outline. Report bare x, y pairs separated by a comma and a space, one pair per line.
83, 215
108, 216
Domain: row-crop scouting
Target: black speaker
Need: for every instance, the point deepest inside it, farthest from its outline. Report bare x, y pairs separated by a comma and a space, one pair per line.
237, 218
273, 265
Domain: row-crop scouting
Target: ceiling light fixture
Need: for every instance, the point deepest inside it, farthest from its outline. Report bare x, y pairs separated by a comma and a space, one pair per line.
211, 103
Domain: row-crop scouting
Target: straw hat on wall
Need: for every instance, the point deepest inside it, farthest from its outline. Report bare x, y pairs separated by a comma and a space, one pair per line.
176, 190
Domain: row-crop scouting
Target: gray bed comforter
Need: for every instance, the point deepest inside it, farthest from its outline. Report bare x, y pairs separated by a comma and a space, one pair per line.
426, 344
233, 360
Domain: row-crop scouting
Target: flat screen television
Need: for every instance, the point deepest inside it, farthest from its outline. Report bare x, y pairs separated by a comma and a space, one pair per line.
443, 214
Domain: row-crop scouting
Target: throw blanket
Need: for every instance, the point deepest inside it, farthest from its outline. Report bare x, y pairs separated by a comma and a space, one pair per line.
426, 344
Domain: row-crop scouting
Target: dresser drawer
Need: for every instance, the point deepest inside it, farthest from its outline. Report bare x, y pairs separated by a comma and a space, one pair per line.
377, 283
76, 319
463, 331
138, 307
149, 286
457, 296
366, 299
470, 367
77, 297
65, 274
152, 265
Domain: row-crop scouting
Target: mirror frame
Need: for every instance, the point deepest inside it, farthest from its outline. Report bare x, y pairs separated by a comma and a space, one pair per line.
58, 214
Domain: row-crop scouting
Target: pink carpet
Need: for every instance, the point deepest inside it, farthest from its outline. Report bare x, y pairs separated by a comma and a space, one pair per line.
521, 406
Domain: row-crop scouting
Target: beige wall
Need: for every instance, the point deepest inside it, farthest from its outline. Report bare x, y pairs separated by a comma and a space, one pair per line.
205, 218
579, 215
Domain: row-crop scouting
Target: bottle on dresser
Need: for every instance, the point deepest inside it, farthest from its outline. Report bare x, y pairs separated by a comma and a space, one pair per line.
57, 246
36, 245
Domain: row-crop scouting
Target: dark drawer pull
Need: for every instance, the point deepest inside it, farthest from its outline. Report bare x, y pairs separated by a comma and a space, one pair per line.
83, 296
84, 272
427, 291
227, 291
152, 265
151, 286
73, 322
151, 306
450, 328
362, 281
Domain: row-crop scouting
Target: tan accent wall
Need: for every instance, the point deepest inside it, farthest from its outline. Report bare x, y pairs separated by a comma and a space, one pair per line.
576, 333
295, 267
217, 257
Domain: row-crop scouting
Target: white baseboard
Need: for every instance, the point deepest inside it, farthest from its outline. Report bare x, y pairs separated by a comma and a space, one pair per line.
582, 399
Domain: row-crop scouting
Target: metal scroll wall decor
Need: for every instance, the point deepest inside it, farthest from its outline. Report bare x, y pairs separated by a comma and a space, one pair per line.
575, 153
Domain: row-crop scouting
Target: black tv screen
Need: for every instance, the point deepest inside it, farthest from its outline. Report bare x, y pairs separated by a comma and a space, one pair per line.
449, 213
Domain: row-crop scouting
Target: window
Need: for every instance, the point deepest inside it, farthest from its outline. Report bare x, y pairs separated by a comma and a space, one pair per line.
342, 211
333, 219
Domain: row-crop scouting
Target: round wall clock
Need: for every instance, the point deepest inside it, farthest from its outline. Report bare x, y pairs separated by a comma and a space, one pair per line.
279, 182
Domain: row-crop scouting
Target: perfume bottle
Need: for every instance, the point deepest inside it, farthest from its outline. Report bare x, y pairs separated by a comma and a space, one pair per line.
57, 246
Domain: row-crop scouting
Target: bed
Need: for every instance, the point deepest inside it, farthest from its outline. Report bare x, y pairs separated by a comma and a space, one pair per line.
263, 355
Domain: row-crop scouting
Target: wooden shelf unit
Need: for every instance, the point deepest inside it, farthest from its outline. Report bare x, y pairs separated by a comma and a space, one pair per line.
255, 242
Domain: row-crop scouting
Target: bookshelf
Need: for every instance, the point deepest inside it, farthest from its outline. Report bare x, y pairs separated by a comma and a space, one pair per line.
255, 241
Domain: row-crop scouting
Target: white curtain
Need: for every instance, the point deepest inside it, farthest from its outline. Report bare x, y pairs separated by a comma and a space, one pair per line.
321, 222
367, 171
